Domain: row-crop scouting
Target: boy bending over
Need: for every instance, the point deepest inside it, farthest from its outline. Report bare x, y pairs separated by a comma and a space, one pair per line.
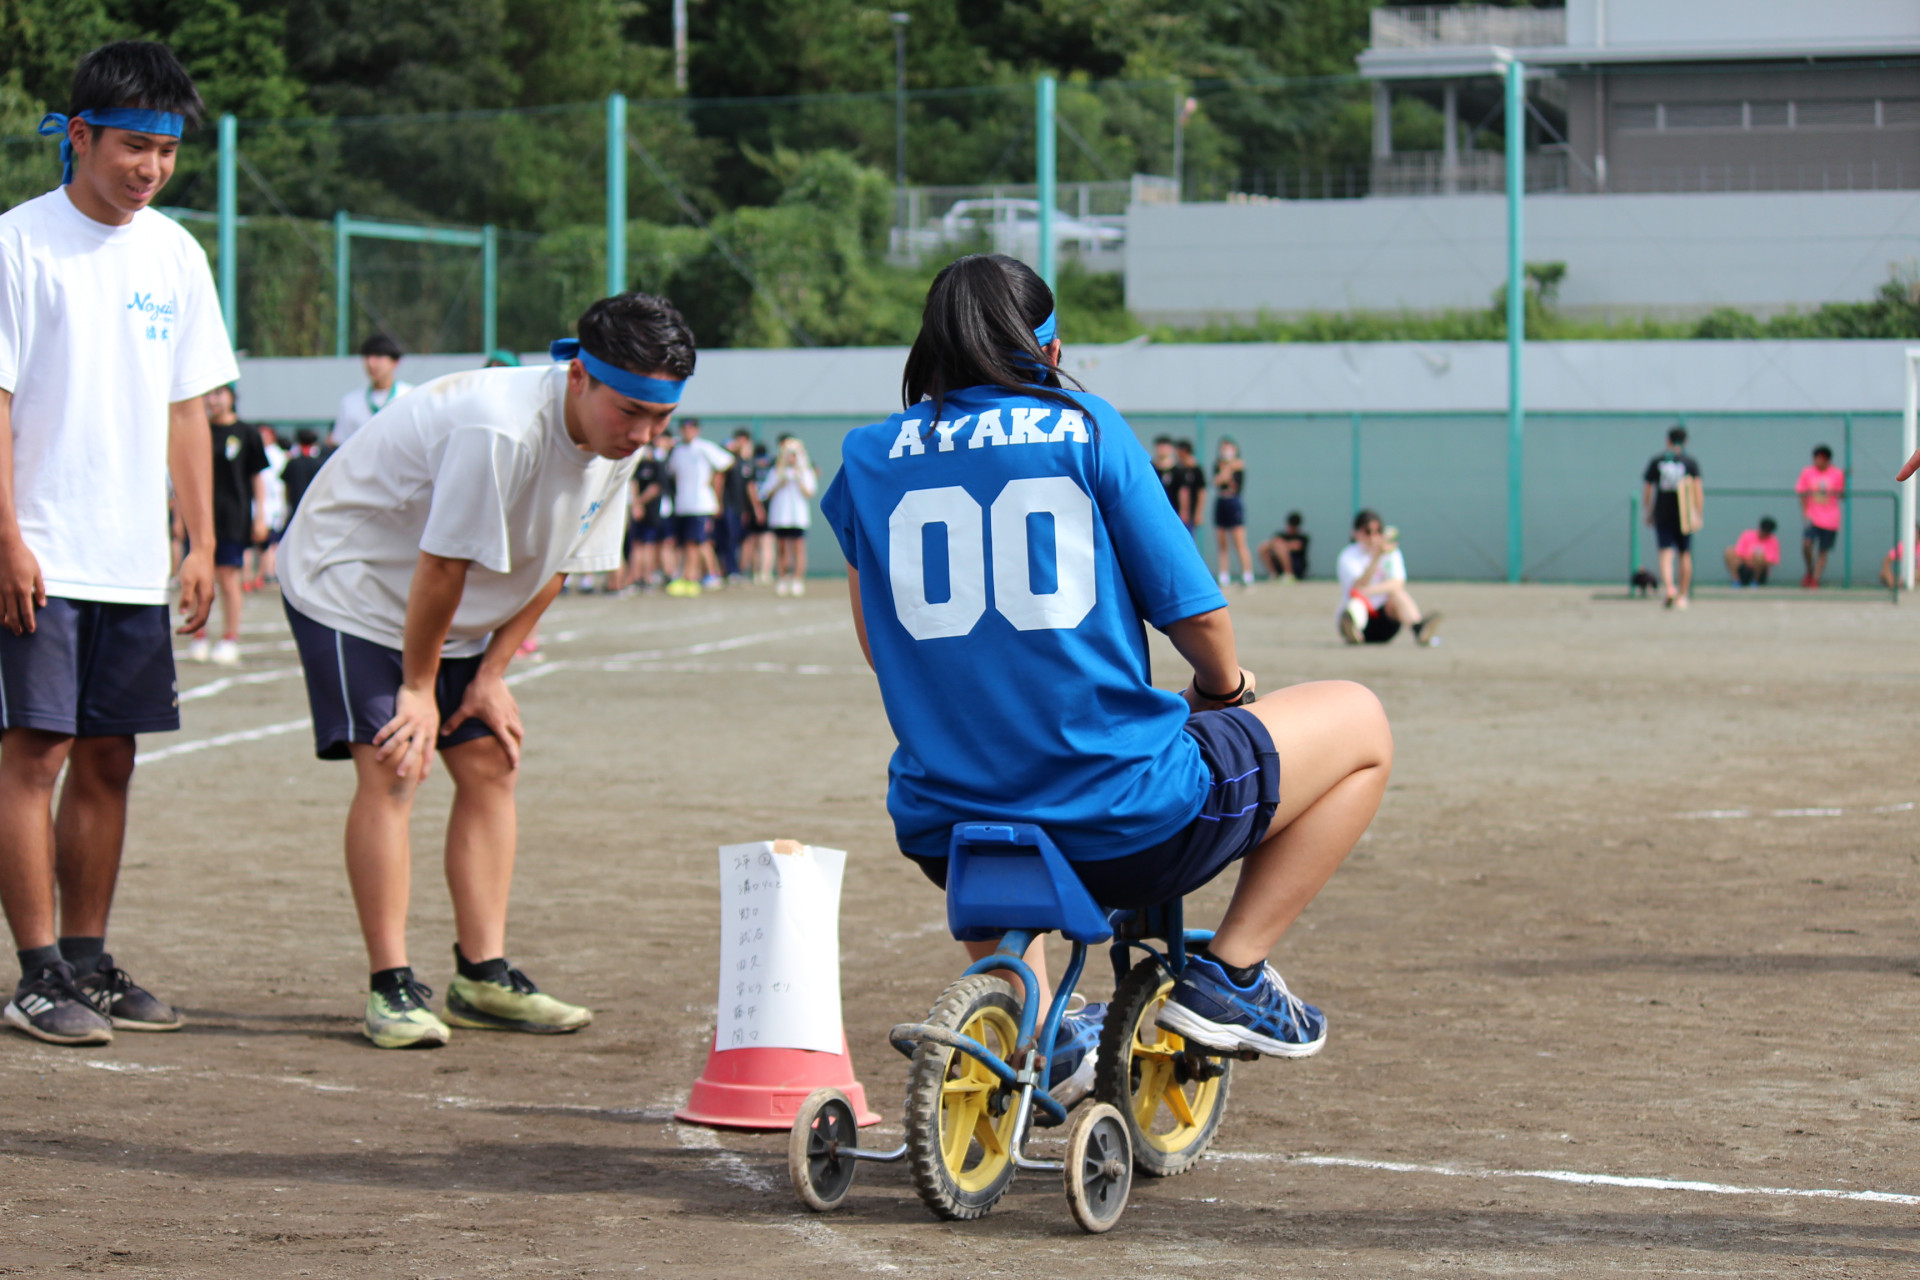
423, 554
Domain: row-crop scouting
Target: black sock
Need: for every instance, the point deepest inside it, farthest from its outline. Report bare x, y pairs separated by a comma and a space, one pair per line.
83, 953
1242, 975
390, 980
34, 959
494, 971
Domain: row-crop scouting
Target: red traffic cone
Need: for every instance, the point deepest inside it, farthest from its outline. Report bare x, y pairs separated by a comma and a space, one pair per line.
763, 1088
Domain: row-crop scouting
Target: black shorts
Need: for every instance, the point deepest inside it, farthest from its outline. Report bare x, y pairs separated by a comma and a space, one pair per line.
1669, 538
90, 670
789, 534
1381, 627
229, 555
352, 684
1233, 819
1821, 539
1229, 513
691, 531
650, 532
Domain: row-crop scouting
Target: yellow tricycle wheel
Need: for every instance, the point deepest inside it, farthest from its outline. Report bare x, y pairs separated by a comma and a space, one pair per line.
1173, 1095
959, 1115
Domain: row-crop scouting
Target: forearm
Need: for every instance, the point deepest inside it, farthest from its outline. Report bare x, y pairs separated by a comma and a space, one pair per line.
1206, 642
859, 614
431, 603
190, 463
508, 636
9, 520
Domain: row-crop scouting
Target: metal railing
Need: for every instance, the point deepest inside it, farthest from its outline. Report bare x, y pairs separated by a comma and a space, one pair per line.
1419, 26
1426, 173
1869, 175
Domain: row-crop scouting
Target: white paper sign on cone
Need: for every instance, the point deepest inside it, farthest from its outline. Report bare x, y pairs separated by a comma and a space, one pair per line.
780, 947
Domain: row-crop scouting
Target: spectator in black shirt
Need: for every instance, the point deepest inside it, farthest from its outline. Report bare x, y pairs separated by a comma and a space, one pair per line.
302, 465
1164, 465
1285, 553
239, 519
1190, 485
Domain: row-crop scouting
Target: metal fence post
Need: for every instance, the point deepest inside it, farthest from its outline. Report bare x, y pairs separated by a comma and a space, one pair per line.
1354, 450
1633, 540
1516, 313
229, 228
342, 274
489, 289
616, 193
1044, 173
1846, 506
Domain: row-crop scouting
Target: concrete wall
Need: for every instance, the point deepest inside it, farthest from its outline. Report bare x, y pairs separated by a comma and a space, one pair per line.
1660, 23
1629, 255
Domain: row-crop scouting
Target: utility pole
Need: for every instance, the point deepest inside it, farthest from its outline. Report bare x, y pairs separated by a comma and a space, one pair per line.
900, 21
680, 45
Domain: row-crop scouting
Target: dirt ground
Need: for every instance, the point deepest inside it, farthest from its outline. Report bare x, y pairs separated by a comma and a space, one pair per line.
1640, 904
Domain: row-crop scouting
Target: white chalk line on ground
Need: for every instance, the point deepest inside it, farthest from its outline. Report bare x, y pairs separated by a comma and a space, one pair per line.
531, 673
213, 688
1823, 812
1569, 1176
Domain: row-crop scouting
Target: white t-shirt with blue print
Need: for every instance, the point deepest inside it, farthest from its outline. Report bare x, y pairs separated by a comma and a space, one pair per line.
1008, 552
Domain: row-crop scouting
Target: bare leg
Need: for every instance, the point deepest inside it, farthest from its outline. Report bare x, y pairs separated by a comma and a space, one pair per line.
30, 761
1820, 568
227, 582
1401, 608
1036, 959
379, 857
1806, 553
1336, 751
1220, 542
90, 831
1666, 571
481, 834
1686, 574
1240, 546
1734, 564
799, 558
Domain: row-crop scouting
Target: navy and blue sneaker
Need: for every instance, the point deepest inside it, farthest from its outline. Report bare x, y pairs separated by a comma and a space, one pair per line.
1208, 1008
1074, 1052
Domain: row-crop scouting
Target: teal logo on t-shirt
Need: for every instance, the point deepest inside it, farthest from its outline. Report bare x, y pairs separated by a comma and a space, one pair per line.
586, 521
158, 317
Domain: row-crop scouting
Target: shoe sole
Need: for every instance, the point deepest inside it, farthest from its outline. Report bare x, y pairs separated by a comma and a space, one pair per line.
1215, 1035
461, 1014
19, 1021
1069, 1092
426, 1041
123, 1024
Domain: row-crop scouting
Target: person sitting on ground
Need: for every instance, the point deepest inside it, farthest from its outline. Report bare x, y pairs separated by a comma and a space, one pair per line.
1819, 486
1374, 601
423, 554
1753, 553
1285, 553
1032, 700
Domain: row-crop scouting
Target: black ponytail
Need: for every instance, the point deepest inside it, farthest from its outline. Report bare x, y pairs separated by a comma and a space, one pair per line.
977, 330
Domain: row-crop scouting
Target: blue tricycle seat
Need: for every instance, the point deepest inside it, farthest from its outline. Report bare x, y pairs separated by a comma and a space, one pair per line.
1010, 875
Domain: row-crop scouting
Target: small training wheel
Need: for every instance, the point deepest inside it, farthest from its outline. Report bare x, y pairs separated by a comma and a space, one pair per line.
823, 1131
1099, 1170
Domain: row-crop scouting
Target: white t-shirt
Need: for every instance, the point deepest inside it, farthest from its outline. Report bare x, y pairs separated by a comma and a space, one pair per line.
276, 510
1353, 563
473, 466
692, 465
358, 407
788, 495
101, 329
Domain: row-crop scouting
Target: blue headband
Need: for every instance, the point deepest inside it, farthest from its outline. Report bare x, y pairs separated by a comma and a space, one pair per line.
137, 119
1048, 328
632, 385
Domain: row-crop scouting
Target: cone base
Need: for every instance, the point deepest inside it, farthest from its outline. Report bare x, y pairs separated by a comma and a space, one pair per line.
763, 1088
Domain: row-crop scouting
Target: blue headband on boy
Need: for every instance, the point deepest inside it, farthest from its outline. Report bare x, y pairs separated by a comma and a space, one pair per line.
633, 385
137, 119
1048, 328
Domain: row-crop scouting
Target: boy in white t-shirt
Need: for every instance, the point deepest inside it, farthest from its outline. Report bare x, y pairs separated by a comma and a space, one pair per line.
110, 333
423, 554
380, 357
695, 466
1374, 600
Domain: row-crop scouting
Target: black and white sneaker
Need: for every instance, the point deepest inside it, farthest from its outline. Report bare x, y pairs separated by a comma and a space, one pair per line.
130, 1007
48, 1006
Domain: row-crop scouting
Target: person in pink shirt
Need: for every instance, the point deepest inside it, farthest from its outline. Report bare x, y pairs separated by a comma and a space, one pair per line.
1753, 553
1819, 487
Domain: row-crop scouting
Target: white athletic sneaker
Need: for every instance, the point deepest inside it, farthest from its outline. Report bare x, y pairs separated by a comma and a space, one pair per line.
199, 649
1225, 579
799, 587
1353, 622
1246, 579
780, 587
226, 653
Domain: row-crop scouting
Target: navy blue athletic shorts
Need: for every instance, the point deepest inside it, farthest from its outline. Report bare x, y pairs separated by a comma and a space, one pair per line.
1229, 513
229, 555
1233, 819
90, 670
352, 684
1669, 538
690, 531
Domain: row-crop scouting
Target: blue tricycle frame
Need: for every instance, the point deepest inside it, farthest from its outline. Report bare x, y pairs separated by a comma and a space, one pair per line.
1009, 881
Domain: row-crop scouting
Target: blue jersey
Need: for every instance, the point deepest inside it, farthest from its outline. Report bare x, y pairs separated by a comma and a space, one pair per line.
1008, 553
